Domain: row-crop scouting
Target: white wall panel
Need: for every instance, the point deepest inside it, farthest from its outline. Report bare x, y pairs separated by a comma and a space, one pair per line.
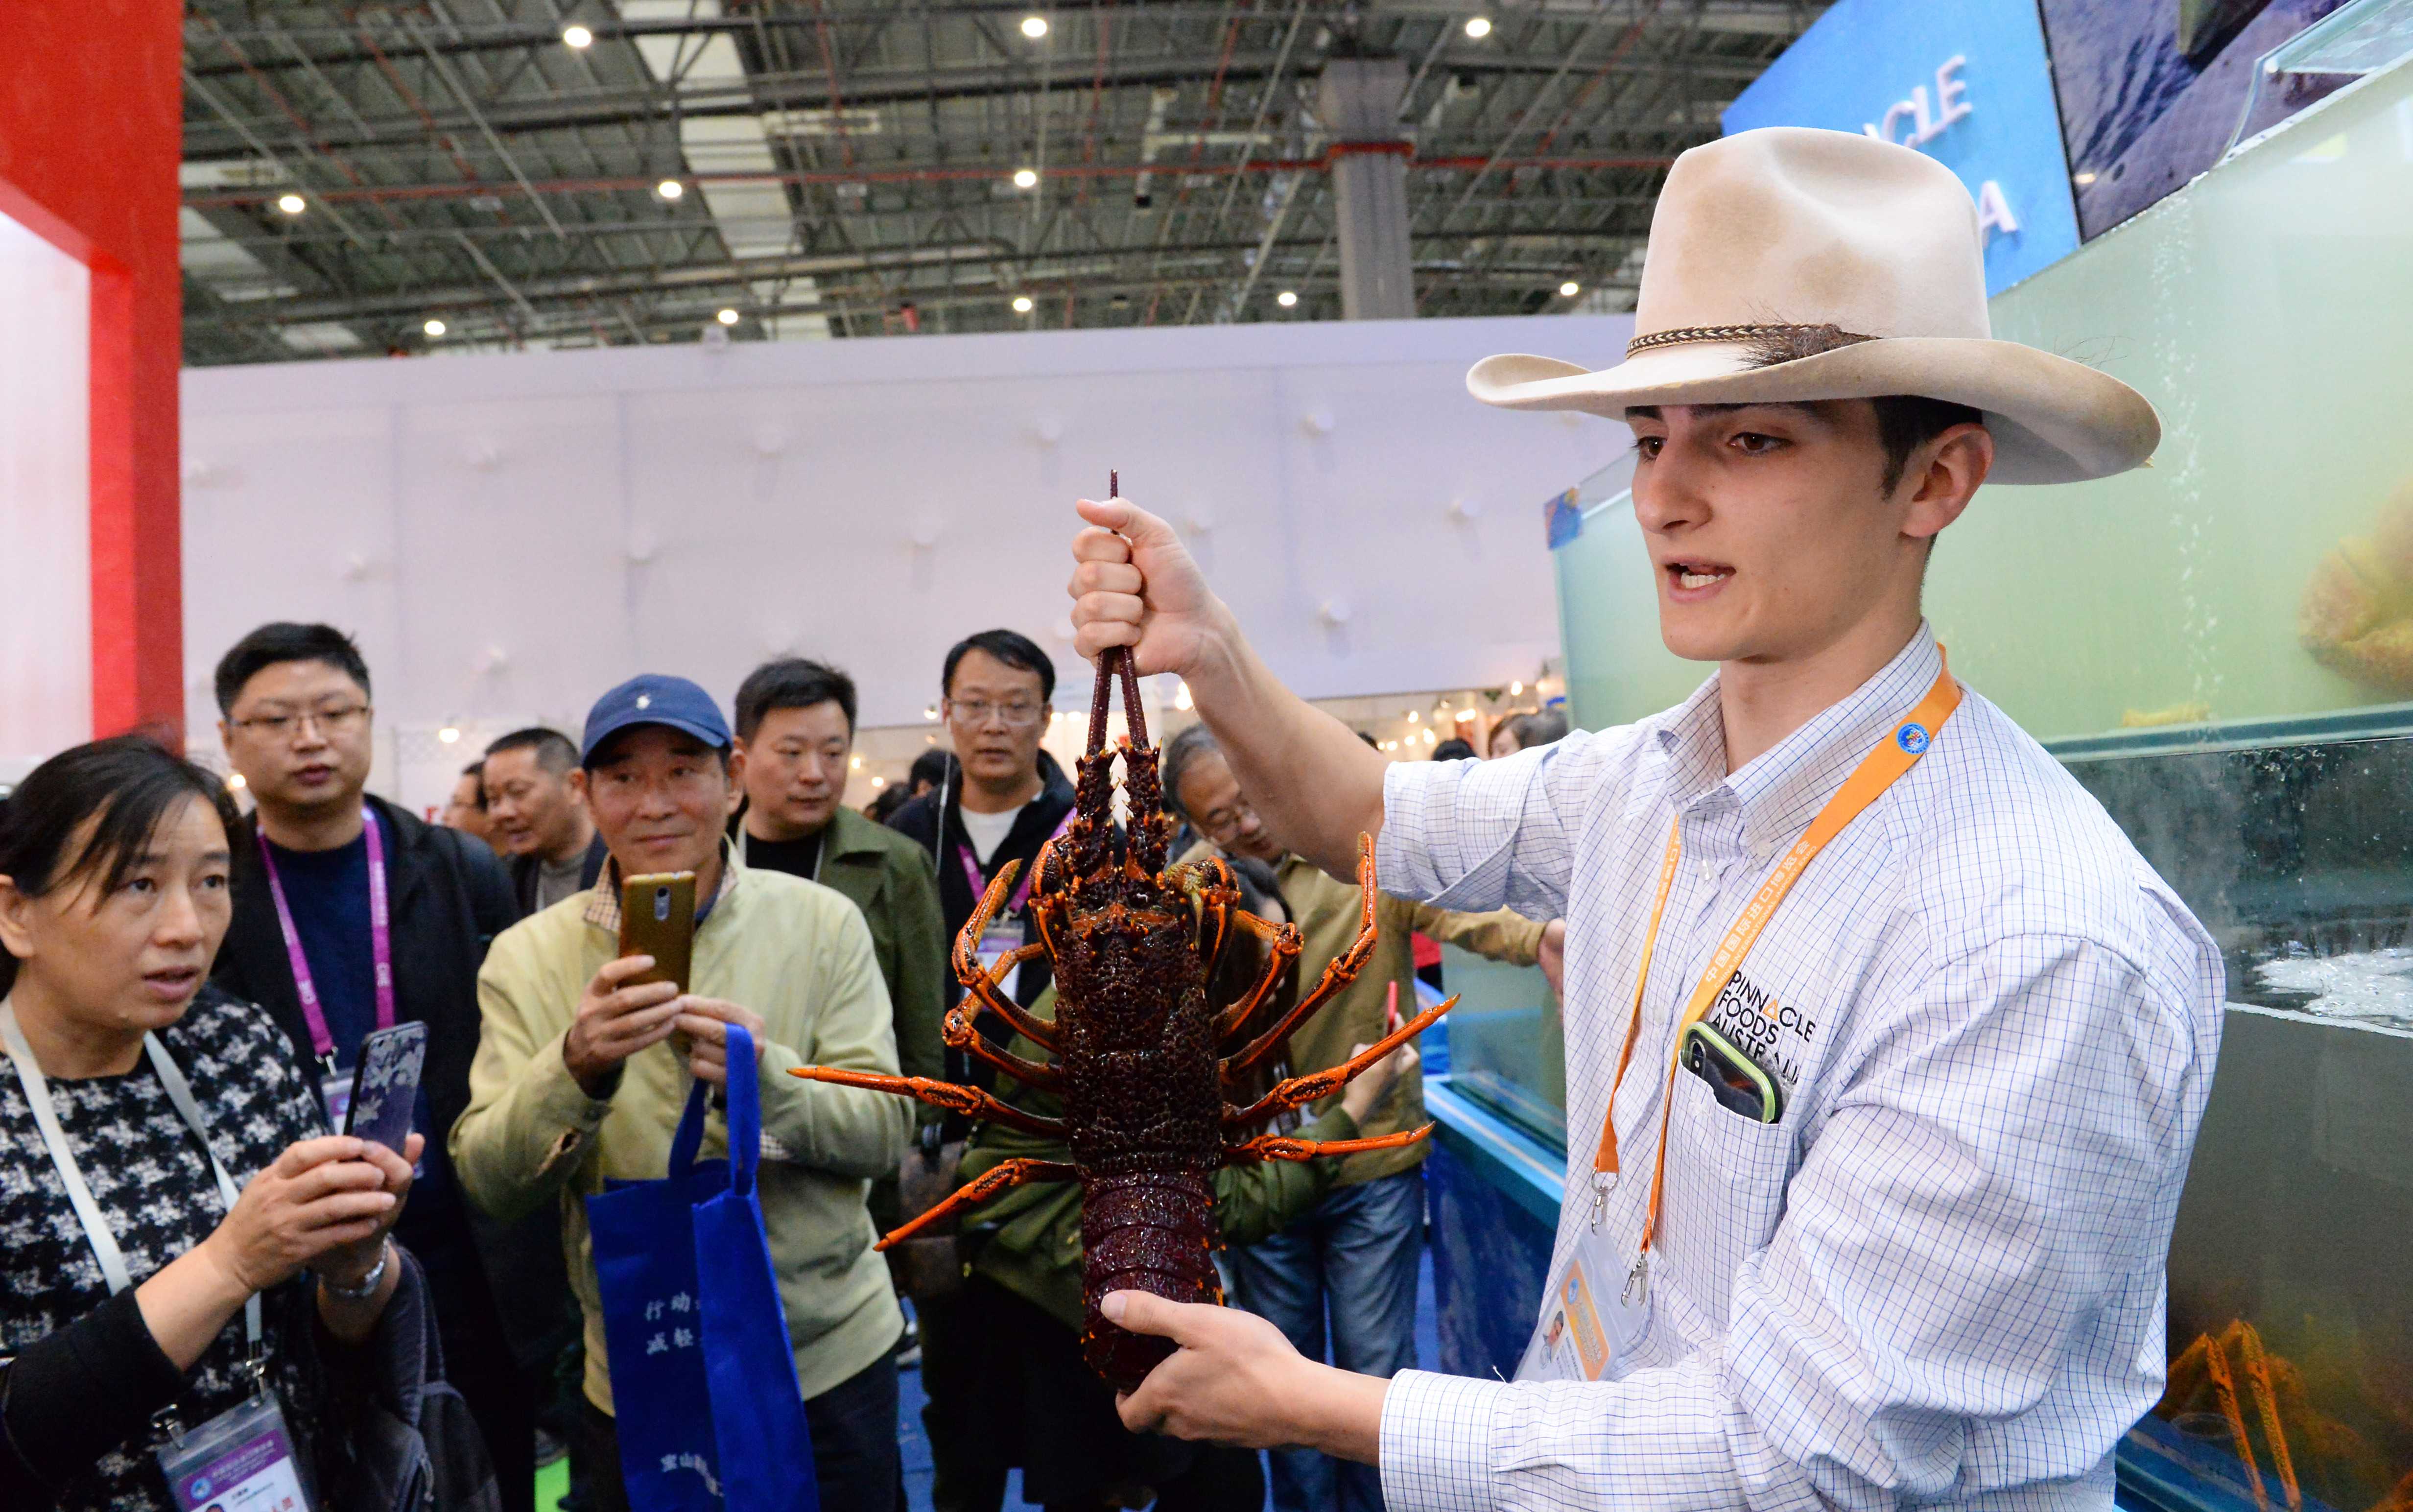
44, 498
513, 534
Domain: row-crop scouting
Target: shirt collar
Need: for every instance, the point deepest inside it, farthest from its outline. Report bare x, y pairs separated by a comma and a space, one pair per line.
603, 899
1779, 791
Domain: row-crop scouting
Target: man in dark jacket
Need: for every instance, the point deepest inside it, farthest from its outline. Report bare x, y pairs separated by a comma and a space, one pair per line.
1003, 802
350, 914
536, 799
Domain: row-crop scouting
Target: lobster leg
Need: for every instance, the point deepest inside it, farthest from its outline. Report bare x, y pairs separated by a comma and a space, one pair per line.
985, 987
1281, 948
960, 1035
1284, 1148
1217, 892
998, 1178
945, 1094
1338, 973
1300, 1090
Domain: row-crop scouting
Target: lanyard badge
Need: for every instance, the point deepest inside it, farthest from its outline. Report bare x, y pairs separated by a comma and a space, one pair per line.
1598, 1307
334, 1083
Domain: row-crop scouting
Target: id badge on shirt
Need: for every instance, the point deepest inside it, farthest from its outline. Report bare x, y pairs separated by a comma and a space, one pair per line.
241, 1460
1001, 936
1594, 1317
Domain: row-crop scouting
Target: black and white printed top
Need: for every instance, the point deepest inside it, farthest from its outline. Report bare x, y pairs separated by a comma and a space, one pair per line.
153, 1185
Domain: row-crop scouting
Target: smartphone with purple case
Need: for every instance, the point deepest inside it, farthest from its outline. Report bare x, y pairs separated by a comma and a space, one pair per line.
385, 1086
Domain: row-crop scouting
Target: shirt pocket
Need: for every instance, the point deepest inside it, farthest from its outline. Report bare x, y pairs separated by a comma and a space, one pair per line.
1724, 1191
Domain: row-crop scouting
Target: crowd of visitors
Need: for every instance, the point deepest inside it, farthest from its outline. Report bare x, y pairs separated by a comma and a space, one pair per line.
188, 991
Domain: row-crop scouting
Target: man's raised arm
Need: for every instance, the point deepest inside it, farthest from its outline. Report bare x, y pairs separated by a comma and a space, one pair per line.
1313, 782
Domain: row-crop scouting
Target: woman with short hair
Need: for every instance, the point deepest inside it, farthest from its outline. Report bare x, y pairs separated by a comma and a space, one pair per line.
134, 1100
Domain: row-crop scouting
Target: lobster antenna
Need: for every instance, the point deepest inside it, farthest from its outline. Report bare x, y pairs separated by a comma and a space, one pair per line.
1116, 659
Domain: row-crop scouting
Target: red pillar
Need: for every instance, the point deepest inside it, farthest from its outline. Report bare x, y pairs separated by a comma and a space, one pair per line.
90, 130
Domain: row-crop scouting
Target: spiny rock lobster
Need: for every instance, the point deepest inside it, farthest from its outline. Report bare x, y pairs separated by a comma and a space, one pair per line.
1143, 1064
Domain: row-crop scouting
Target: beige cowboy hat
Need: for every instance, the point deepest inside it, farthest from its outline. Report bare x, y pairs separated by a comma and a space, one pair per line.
1779, 236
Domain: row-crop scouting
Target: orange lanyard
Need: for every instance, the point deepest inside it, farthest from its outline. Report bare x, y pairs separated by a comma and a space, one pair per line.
1897, 753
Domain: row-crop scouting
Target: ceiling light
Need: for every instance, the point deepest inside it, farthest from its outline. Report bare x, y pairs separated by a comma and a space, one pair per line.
1022, 304
449, 736
576, 36
434, 326
1413, 716
1286, 299
878, 783
1034, 27
1515, 687
1026, 178
237, 783
670, 188
1431, 740
930, 712
292, 204
1478, 27
856, 762
727, 316
1570, 290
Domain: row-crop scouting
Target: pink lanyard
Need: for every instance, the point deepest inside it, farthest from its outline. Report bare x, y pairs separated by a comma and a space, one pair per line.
380, 939
1021, 893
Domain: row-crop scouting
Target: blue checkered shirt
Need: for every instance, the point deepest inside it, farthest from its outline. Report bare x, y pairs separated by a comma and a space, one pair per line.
1939, 1278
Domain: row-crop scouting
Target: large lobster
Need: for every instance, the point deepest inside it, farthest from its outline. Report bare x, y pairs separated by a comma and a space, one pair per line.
1145, 1064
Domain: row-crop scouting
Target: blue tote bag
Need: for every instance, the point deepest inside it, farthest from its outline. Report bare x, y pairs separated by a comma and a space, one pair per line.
703, 1380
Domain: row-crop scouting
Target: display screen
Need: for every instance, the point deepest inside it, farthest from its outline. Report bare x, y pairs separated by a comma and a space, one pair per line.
1966, 84
2153, 95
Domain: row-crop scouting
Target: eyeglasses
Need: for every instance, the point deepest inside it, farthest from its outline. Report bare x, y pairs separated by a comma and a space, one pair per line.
1221, 824
342, 719
977, 711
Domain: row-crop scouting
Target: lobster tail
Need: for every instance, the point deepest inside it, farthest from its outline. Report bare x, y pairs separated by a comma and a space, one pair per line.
1144, 1232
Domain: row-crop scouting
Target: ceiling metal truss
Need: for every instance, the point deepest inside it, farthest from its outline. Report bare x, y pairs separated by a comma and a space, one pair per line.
388, 178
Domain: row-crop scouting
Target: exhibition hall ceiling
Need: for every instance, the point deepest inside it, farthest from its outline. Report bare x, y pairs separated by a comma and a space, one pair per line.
488, 174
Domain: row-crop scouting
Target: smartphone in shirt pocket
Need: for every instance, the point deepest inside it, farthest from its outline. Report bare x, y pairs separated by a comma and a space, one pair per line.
1739, 1084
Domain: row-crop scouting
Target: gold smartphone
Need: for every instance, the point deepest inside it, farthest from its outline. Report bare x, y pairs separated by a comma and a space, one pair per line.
658, 919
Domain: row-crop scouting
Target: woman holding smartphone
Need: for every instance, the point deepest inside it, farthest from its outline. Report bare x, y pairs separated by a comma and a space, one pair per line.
187, 1247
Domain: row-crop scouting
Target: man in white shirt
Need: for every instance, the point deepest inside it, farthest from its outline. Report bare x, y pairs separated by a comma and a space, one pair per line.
1887, 1161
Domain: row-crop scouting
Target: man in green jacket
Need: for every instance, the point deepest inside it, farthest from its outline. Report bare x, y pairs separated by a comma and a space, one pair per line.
1054, 1416
795, 742
579, 1075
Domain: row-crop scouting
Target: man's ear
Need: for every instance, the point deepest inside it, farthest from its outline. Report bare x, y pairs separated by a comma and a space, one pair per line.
576, 778
1954, 464
737, 763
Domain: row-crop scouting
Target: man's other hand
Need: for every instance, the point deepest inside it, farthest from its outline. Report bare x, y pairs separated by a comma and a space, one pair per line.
615, 1021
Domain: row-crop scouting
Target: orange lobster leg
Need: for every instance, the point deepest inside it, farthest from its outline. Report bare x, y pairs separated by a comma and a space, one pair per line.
946, 1094
1300, 1090
2266, 1404
1284, 1148
959, 1033
998, 1178
2223, 1390
980, 981
1281, 948
1342, 969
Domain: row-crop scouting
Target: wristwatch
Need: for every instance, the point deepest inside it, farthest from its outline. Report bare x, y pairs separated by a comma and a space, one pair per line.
367, 1286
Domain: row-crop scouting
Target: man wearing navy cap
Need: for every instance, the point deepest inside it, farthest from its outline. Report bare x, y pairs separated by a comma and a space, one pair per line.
580, 1078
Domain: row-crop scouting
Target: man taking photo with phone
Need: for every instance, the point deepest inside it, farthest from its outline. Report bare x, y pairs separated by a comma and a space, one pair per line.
1921, 1259
584, 1072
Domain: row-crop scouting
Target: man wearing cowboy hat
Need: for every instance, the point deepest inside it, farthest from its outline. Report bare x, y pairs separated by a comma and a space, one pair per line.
1885, 1049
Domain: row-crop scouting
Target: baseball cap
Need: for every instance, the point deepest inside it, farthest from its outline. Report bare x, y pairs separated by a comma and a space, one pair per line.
653, 698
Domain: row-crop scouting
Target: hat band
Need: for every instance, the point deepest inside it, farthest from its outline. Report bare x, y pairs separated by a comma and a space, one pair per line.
1681, 334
